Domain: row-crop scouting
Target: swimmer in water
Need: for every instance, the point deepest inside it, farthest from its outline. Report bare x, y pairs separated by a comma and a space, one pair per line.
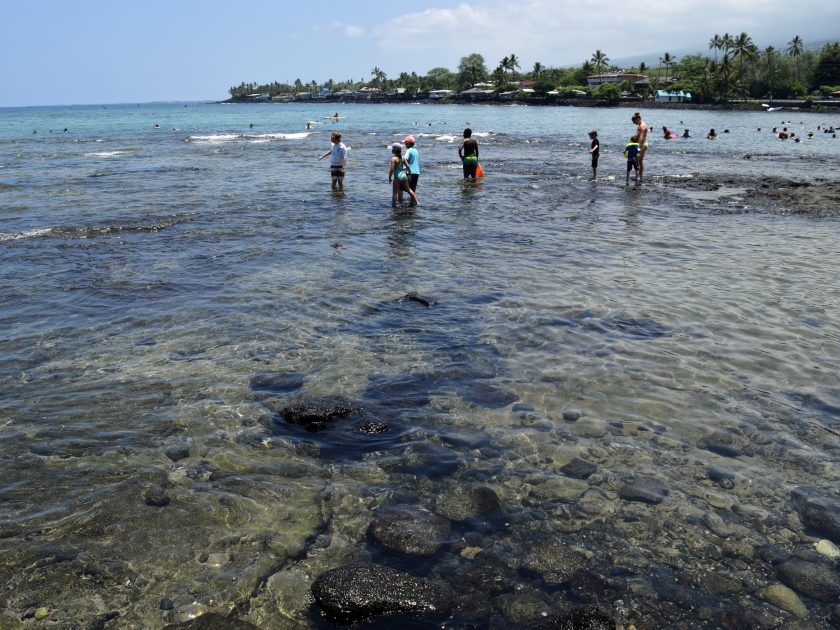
157, 126
251, 126
335, 115
308, 125
65, 130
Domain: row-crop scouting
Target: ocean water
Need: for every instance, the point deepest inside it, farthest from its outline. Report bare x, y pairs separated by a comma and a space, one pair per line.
168, 291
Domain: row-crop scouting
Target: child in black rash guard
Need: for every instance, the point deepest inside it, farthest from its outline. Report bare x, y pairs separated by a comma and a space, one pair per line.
593, 151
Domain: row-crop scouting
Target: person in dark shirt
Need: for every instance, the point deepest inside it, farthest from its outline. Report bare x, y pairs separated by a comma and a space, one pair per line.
593, 151
468, 152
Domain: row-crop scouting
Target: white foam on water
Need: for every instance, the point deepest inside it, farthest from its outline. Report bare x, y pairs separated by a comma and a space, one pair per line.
6, 237
446, 138
105, 153
245, 137
483, 134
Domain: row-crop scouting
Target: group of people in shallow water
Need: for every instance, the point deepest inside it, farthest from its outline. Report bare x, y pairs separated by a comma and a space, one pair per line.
404, 172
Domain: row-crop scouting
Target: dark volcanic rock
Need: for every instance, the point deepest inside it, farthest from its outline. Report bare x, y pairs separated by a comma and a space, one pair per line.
465, 502
414, 297
572, 415
555, 563
319, 413
373, 426
166, 604
177, 453
744, 618
355, 592
277, 383
817, 511
810, 579
156, 497
591, 587
582, 618
579, 468
212, 621
488, 396
724, 450
645, 489
410, 530
487, 578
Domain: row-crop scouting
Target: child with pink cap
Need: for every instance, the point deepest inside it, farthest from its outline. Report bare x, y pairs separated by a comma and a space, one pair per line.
413, 159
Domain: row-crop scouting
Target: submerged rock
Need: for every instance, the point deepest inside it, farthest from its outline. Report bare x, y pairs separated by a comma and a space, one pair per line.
579, 468
319, 413
817, 510
488, 396
555, 563
828, 549
410, 530
354, 592
156, 497
277, 383
591, 587
582, 618
646, 489
782, 597
212, 621
466, 502
752, 618
177, 453
522, 606
573, 415
724, 450
414, 297
810, 579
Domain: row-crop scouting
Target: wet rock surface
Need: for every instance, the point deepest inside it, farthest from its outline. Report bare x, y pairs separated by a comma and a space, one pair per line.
356, 592
645, 489
817, 510
277, 384
212, 621
409, 530
554, 563
490, 396
320, 413
581, 618
465, 502
810, 579
579, 468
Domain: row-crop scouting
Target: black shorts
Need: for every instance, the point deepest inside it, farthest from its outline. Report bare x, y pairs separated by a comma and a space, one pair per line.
469, 169
632, 163
595, 162
412, 181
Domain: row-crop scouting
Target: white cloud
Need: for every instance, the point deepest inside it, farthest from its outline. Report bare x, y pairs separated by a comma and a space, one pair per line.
568, 31
336, 24
353, 31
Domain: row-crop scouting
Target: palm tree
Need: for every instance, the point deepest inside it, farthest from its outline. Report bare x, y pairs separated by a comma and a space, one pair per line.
503, 64
668, 60
642, 67
513, 64
538, 68
745, 49
716, 43
500, 76
770, 57
794, 49
725, 69
599, 59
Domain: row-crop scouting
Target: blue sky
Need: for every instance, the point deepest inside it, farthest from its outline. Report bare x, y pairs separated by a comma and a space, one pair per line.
59, 52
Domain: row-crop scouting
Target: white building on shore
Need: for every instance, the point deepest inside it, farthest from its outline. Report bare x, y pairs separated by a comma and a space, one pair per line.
639, 81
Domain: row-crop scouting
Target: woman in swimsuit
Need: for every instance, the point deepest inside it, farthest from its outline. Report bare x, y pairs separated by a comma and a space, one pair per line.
642, 132
399, 174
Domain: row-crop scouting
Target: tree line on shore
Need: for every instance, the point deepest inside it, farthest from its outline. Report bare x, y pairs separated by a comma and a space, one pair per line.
738, 69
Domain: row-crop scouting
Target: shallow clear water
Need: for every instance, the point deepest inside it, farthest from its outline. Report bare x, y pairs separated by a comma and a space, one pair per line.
152, 275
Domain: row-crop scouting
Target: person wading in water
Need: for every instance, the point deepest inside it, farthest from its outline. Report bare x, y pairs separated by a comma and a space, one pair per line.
642, 132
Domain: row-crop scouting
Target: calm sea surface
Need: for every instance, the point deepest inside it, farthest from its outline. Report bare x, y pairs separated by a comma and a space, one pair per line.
167, 291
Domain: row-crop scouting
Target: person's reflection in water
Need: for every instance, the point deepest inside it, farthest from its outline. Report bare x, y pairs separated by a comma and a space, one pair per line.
400, 232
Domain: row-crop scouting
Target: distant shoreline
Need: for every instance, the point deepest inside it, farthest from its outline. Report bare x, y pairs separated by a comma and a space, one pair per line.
820, 107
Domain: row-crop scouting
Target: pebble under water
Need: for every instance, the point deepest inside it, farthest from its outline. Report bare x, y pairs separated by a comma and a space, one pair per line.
234, 400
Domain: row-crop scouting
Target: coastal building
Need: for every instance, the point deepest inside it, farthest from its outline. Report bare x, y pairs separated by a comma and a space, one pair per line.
303, 96
663, 96
283, 96
478, 92
440, 93
526, 91
485, 86
264, 97
397, 90
525, 84
639, 81
508, 96
344, 93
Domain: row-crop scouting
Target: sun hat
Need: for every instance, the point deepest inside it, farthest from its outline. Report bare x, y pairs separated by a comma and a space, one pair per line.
396, 145
409, 139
